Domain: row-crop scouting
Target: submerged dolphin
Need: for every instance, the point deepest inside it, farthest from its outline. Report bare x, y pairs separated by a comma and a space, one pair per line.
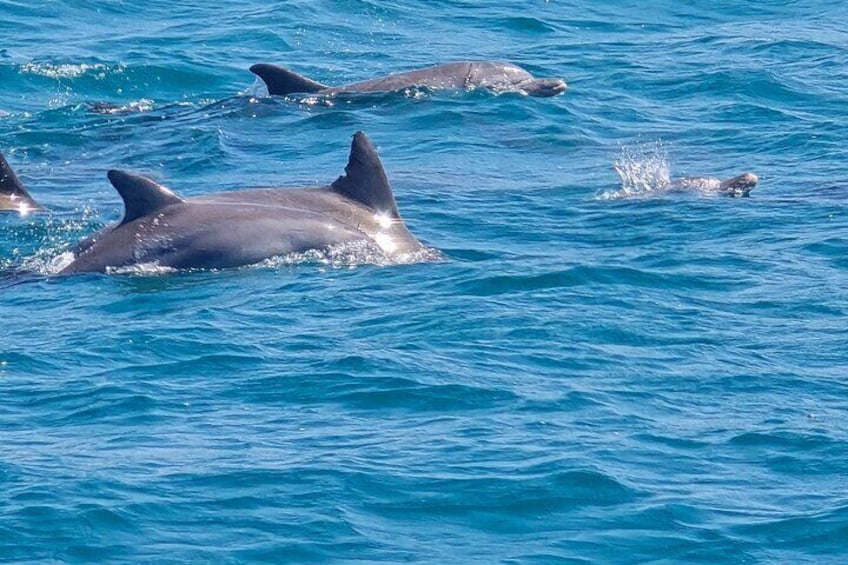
13, 196
500, 77
231, 229
739, 185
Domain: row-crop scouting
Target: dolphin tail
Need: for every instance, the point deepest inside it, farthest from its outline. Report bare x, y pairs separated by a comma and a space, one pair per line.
365, 180
13, 196
281, 81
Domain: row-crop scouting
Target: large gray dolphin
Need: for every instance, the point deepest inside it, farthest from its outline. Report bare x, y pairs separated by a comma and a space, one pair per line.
232, 229
13, 196
739, 185
496, 76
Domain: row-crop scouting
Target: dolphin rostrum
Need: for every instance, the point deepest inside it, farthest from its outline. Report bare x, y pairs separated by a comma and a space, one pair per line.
13, 196
496, 76
232, 229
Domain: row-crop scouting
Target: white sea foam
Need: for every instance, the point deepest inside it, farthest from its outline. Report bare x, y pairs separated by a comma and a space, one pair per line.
69, 70
47, 262
152, 268
349, 255
352, 254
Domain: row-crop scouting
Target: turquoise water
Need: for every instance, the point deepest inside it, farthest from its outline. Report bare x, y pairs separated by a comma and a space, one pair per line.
595, 373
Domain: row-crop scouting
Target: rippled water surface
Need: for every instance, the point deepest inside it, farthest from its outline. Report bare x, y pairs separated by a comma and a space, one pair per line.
586, 376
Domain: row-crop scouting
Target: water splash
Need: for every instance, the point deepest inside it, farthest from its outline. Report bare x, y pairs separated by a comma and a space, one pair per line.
348, 255
150, 269
46, 262
39, 244
643, 169
352, 254
53, 257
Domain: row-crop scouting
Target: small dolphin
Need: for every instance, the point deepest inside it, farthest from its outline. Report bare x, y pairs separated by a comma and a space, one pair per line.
13, 196
496, 76
103, 107
232, 229
740, 185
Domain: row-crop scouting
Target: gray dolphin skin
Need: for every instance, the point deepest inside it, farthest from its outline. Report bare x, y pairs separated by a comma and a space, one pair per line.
232, 229
740, 185
496, 76
13, 196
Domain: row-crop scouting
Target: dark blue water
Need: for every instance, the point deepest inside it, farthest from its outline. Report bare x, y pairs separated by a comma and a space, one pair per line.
595, 373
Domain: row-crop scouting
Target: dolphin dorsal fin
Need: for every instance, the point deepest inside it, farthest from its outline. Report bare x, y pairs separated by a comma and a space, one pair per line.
141, 195
12, 188
281, 81
365, 180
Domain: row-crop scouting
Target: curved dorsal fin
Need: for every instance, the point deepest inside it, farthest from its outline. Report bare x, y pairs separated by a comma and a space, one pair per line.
141, 195
281, 81
13, 196
365, 180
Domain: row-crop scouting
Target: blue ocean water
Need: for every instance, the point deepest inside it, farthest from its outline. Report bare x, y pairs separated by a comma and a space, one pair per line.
594, 373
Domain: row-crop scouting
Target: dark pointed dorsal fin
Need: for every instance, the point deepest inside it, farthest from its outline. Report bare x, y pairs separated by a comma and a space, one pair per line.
141, 195
13, 196
365, 180
281, 81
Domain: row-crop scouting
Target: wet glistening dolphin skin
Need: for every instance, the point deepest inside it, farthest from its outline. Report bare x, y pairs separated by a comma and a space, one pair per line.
737, 186
232, 229
496, 76
13, 196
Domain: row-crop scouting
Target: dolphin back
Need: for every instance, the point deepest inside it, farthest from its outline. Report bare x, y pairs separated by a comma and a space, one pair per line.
281, 81
141, 195
13, 196
365, 180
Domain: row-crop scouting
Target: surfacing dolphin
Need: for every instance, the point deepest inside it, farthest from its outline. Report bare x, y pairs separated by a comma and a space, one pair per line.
13, 196
233, 229
496, 76
740, 185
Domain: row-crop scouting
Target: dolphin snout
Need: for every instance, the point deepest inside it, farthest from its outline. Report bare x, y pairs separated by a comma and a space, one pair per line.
740, 185
544, 87
750, 178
